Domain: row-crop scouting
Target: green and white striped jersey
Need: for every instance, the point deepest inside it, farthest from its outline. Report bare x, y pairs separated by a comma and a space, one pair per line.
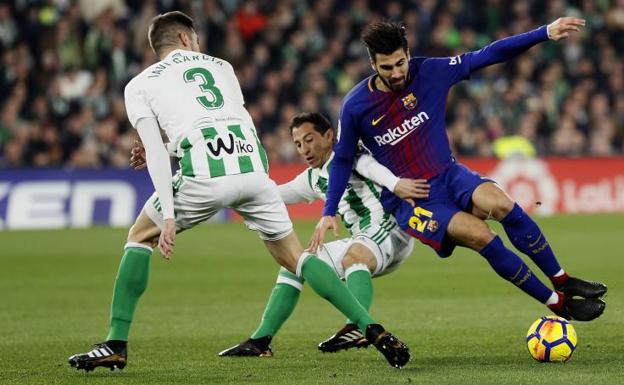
359, 207
198, 102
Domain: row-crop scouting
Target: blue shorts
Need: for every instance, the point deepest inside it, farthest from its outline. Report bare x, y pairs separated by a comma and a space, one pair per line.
451, 192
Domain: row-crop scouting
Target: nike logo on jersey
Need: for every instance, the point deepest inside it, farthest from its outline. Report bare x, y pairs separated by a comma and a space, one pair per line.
398, 133
375, 121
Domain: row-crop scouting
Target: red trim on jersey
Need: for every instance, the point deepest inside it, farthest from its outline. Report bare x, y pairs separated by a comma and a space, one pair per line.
435, 244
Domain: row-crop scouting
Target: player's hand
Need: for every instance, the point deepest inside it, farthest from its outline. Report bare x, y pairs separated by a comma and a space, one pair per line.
137, 156
326, 223
167, 238
410, 189
563, 27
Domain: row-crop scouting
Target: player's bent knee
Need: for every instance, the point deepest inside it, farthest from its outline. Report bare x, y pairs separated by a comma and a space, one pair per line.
350, 260
286, 250
145, 236
491, 201
359, 254
286, 277
483, 238
470, 231
144, 231
299, 265
504, 205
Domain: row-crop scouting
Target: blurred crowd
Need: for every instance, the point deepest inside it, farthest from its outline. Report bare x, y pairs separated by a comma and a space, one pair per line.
65, 64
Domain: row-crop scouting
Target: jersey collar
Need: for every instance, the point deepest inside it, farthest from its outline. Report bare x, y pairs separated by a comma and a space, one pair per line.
371, 83
325, 167
175, 51
372, 87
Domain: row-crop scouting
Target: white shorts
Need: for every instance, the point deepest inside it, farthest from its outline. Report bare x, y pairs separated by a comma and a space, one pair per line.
390, 248
253, 195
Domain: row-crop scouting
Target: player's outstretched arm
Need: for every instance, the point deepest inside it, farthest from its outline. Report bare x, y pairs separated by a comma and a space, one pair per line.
563, 27
408, 189
509, 47
339, 173
297, 190
318, 238
369, 168
159, 168
344, 156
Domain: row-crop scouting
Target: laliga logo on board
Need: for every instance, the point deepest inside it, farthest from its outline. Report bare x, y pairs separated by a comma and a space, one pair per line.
528, 181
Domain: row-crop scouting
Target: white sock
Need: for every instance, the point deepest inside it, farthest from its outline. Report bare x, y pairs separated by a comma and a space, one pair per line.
554, 298
355, 267
559, 273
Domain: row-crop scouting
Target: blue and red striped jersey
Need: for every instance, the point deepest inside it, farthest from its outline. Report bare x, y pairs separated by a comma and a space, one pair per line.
405, 131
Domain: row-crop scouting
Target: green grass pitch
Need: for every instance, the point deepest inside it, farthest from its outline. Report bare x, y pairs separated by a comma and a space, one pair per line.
464, 325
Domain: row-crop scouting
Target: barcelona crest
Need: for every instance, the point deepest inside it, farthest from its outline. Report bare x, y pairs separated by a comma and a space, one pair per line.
432, 226
410, 101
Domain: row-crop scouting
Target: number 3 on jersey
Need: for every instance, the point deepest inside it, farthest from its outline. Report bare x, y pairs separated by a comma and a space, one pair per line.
207, 85
417, 222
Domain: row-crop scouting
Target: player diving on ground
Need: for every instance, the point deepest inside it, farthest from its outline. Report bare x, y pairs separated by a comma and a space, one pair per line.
377, 245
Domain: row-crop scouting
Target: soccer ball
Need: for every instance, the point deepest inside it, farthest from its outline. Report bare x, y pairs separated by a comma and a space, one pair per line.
551, 339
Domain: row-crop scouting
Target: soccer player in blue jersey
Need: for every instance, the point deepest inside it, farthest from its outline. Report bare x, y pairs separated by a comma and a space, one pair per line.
398, 113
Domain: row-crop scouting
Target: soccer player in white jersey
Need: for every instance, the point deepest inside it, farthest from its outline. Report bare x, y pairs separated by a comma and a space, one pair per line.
196, 100
377, 245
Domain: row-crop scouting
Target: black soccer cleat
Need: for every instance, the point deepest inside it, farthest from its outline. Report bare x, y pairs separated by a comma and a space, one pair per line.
396, 352
578, 309
346, 338
259, 347
575, 287
109, 354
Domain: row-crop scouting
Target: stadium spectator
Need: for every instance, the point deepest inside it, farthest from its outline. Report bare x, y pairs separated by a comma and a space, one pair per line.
65, 64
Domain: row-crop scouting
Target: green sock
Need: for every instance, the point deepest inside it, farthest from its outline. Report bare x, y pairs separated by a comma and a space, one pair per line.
281, 304
130, 283
324, 281
360, 285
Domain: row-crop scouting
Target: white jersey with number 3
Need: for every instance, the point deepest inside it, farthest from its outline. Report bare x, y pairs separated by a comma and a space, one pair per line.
198, 102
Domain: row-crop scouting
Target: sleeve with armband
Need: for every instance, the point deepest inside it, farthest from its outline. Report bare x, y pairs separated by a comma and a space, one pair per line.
369, 168
458, 68
342, 164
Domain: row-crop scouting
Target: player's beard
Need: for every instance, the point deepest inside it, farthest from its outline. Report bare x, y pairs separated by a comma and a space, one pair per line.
396, 87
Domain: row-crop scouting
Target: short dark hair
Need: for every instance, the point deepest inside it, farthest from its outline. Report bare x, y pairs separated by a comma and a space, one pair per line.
319, 121
164, 29
384, 37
